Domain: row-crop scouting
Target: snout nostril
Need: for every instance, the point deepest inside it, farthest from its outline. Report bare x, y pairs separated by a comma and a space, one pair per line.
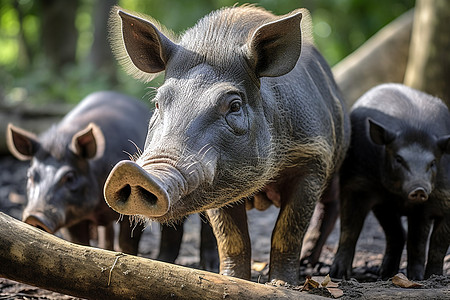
418, 195
124, 193
147, 196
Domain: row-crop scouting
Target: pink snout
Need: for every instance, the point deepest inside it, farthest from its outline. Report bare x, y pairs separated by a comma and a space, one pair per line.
131, 190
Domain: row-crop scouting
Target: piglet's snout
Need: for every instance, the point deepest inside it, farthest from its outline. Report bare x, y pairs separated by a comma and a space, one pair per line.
418, 195
40, 223
131, 190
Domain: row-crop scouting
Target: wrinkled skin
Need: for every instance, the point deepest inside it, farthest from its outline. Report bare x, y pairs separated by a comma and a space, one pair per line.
397, 165
248, 111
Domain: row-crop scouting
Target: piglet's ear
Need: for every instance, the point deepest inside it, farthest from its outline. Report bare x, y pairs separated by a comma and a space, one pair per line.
275, 47
89, 142
21, 143
379, 134
444, 144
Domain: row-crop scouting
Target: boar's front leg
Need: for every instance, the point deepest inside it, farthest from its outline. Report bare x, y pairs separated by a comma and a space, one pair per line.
130, 235
233, 241
298, 201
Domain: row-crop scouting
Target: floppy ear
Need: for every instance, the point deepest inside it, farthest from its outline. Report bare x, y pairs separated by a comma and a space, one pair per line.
89, 142
274, 48
379, 134
21, 143
146, 48
444, 144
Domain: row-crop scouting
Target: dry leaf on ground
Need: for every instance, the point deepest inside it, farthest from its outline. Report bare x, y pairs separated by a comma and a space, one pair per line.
401, 280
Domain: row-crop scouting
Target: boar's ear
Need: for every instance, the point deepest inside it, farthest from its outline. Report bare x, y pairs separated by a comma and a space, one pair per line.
138, 44
444, 144
275, 47
89, 142
21, 143
379, 134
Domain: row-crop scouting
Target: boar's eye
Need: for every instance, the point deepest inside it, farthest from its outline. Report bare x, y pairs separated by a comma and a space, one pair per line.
235, 117
157, 105
235, 106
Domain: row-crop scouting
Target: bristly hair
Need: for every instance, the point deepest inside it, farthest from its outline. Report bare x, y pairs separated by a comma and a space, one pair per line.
115, 38
222, 19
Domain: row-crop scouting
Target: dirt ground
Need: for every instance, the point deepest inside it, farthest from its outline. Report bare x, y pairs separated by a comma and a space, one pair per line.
368, 256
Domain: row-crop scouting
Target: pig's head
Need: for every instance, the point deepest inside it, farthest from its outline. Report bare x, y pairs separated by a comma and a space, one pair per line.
61, 190
411, 160
209, 141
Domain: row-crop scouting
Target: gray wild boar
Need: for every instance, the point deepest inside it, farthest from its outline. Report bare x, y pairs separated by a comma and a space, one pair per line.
248, 110
70, 163
397, 164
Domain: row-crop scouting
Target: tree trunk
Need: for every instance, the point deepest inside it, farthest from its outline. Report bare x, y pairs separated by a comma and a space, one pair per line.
59, 35
381, 59
429, 64
101, 55
32, 256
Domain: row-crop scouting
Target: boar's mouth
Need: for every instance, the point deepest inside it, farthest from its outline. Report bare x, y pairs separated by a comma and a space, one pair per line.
131, 190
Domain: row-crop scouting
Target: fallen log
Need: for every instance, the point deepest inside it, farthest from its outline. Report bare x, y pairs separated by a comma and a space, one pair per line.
34, 257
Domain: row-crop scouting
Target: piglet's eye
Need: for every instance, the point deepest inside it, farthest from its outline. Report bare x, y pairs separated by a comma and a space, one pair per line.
433, 164
398, 159
69, 178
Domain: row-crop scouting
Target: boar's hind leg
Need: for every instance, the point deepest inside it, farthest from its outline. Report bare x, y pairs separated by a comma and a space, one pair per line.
390, 221
439, 243
298, 201
209, 258
233, 241
322, 223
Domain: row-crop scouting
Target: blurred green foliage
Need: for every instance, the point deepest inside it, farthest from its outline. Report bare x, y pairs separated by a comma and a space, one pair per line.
340, 27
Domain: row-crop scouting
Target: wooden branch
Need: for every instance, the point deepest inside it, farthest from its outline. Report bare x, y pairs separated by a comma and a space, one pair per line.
383, 58
34, 257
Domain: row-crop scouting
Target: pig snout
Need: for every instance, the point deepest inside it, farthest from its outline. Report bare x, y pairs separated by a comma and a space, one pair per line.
418, 195
131, 190
42, 222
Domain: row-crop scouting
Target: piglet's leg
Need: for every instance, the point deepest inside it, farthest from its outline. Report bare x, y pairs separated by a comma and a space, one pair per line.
233, 241
79, 233
419, 226
355, 205
390, 221
439, 243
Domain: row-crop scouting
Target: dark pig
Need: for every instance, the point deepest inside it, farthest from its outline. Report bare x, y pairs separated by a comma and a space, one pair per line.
70, 163
397, 164
249, 109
